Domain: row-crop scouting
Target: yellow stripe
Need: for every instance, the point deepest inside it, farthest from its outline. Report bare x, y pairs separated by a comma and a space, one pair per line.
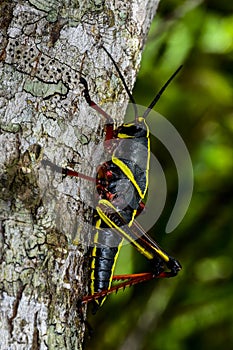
92, 277
125, 136
119, 229
93, 254
136, 244
162, 254
129, 174
148, 157
128, 125
108, 205
112, 271
113, 268
125, 169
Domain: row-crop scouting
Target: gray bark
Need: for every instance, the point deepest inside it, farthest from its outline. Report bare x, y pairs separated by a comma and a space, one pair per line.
45, 218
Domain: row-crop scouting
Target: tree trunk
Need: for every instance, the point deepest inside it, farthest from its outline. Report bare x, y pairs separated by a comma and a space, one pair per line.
44, 216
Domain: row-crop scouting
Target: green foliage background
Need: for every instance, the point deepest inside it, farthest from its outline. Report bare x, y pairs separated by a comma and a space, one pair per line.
193, 310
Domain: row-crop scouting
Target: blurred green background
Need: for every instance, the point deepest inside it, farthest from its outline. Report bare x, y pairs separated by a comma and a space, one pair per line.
193, 310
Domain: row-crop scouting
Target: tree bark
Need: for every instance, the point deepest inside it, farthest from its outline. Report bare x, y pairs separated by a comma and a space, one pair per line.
44, 227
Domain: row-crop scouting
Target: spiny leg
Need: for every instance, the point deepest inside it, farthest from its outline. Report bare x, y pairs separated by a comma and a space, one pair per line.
130, 281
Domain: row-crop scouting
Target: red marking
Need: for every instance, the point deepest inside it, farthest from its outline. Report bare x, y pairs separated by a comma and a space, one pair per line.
110, 196
102, 112
109, 130
70, 172
141, 208
109, 174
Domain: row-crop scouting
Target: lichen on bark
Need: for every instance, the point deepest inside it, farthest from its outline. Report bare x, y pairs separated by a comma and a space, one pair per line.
45, 46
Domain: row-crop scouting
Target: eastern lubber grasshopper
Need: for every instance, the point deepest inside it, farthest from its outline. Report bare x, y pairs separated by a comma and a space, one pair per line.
115, 212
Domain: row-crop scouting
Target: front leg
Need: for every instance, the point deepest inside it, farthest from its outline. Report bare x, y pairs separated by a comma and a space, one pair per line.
65, 171
109, 127
92, 104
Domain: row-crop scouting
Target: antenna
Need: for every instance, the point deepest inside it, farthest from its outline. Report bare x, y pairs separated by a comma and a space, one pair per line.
157, 97
123, 81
